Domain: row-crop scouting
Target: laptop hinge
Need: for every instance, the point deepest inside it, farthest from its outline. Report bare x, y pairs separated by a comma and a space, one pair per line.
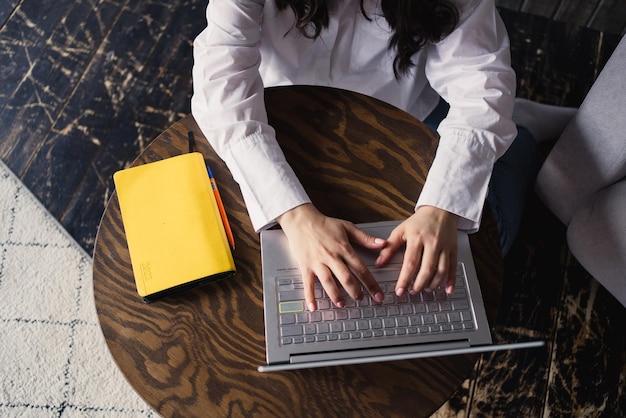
378, 352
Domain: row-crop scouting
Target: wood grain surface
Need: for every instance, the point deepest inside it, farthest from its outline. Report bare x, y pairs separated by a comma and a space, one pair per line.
196, 354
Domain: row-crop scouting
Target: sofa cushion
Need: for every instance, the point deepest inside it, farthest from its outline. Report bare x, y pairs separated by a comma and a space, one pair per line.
597, 238
591, 152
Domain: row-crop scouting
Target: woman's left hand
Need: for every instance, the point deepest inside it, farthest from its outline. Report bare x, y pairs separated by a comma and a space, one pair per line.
430, 256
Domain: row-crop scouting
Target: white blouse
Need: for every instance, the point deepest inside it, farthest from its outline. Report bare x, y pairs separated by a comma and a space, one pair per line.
248, 45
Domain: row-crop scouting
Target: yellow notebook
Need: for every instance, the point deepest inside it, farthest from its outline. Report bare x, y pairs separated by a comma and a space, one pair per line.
175, 234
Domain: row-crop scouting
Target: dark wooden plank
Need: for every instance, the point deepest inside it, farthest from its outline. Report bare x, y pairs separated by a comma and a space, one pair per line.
539, 8
22, 45
514, 5
603, 15
587, 369
577, 12
546, 70
6, 8
46, 62
138, 84
610, 16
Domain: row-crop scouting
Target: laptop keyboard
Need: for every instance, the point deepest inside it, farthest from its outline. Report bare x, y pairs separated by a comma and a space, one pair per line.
422, 313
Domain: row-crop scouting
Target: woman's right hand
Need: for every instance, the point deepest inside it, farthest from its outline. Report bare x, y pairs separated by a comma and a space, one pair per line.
323, 250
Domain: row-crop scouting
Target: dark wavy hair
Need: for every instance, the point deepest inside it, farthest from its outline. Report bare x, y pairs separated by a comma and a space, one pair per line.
413, 23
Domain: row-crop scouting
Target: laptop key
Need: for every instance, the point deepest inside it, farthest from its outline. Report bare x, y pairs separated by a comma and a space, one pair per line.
362, 324
402, 321
367, 313
393, 310
294, 306
291, 330
460, 304
419, 308
349, 326
286, 295
441, 318
380, 311
433, 307
315, 316
406, 309
389, 322
445, 306
454, 317
323, 304
341, 314
329, 316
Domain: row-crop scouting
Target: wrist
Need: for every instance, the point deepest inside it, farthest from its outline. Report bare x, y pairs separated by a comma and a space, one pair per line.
442, 215
296, 215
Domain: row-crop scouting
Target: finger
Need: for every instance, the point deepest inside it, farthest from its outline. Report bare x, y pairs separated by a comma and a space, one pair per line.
309, 291
330, 287
413, 256
393, 244
362, 238
364, 276
348, 282
426, 272
452, 274
442, 274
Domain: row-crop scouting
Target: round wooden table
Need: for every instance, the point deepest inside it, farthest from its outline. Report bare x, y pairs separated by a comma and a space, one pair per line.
196, 354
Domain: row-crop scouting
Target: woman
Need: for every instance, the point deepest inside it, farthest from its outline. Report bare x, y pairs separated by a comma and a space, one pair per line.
409, 53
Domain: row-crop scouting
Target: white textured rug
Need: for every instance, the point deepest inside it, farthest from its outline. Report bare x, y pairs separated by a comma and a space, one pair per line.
53, 358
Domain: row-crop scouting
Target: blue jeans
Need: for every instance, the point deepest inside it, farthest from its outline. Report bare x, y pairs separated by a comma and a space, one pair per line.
513, 175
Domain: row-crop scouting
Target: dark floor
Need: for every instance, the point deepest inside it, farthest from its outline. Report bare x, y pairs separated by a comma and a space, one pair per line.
86, 84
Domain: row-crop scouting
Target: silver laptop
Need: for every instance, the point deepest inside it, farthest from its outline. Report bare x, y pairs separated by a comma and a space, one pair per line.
427, 324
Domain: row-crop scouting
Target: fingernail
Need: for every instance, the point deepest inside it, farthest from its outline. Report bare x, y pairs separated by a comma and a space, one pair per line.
412, 292
399, 291
379, 297
311, 306
340, 304
379, 241
379, 260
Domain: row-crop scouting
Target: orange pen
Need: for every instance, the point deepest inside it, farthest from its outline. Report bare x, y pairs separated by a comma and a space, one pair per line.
220, 205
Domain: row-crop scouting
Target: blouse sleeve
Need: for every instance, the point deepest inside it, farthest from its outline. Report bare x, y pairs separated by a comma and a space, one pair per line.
471, 70
228, 105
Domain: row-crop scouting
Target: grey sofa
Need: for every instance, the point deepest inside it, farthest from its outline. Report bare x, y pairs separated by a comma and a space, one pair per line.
583, 180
